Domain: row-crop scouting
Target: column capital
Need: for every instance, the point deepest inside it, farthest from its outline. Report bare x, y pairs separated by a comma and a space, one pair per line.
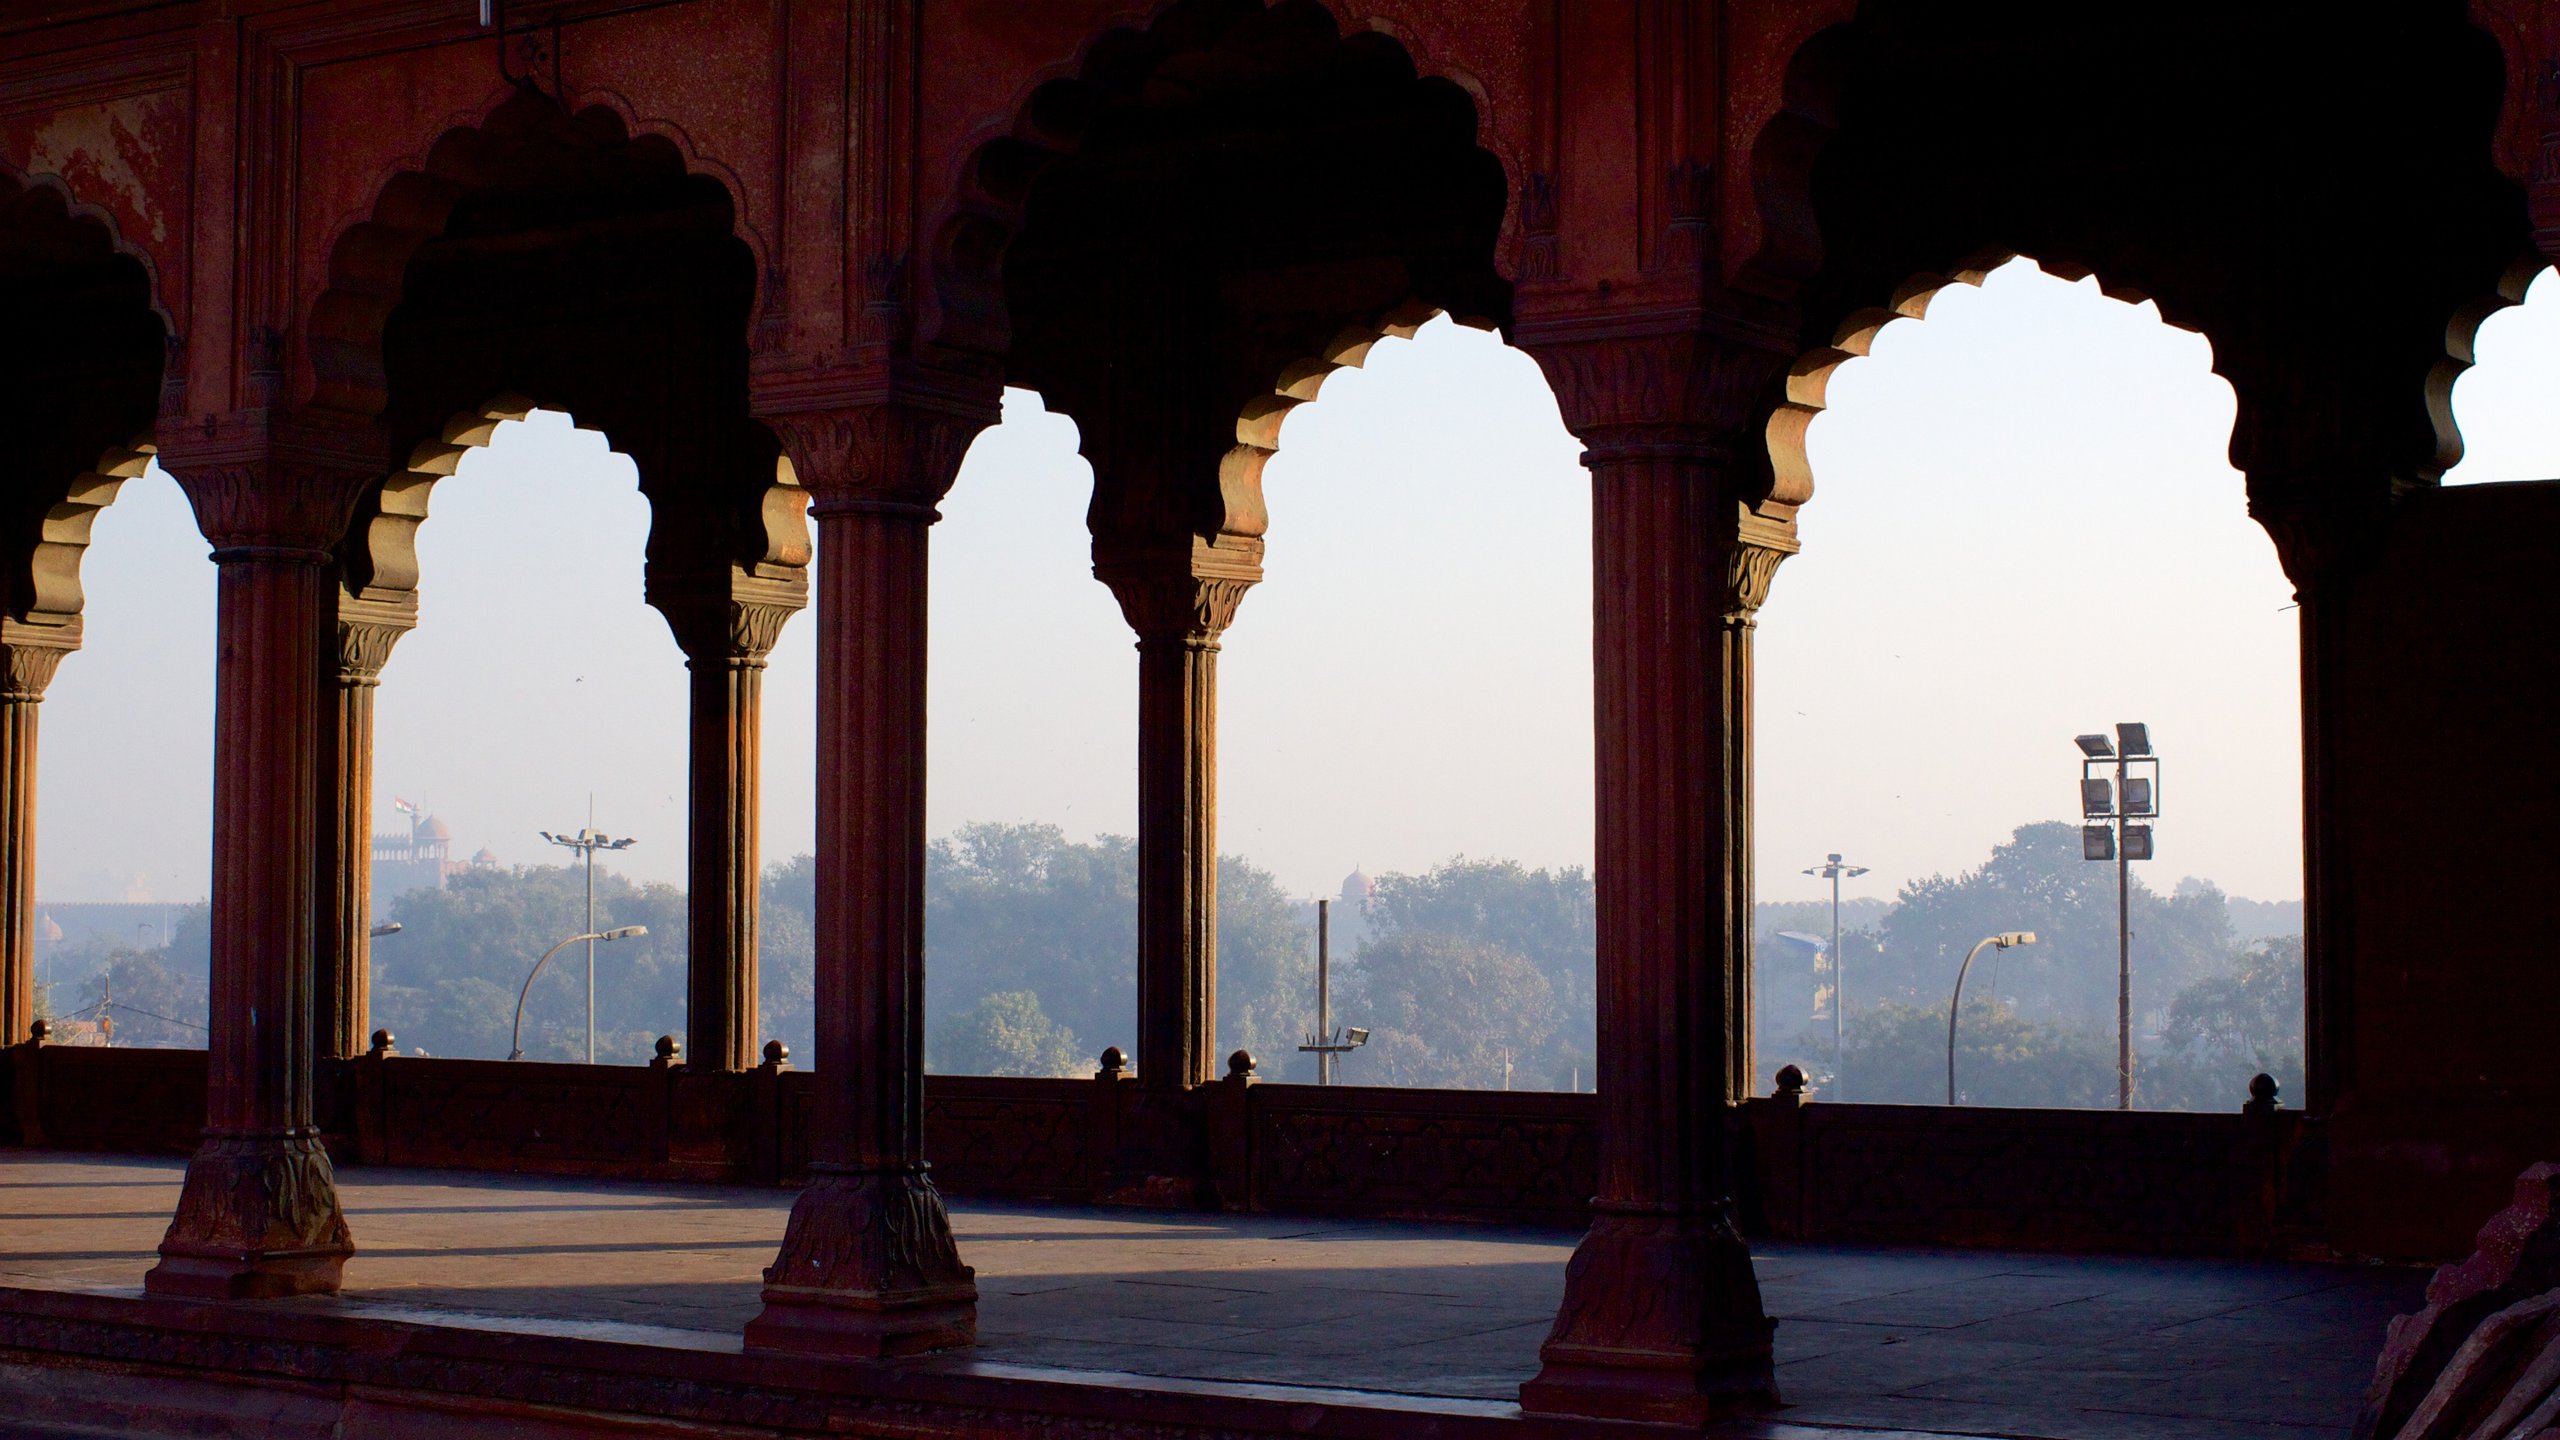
1667, 385
883, 441
1187, 589
1752, 553
2320, 538
735, 617
270, 486
31, 654
367, 629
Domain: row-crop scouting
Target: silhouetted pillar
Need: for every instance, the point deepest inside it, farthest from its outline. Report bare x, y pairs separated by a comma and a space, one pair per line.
30, 653
726, 638
342, 995
259, 1213
1661, 1317
867, 1265
1179, 599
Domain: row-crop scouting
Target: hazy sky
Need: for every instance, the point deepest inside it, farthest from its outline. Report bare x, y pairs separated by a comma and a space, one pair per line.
2027, 527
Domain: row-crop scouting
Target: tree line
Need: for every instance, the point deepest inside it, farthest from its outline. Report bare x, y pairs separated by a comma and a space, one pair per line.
1474, 974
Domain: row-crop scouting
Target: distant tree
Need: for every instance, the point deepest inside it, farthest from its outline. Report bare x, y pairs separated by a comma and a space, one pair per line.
1006, 1034
2038, 881
1448, 1011
447, 983
2228, 1027
1547, 918
787, 951
1266, 967
153, 1007
1898, 1055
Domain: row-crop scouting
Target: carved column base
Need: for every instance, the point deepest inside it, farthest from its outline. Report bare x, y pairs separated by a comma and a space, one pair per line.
258, 1219
1661, 1322
868, 1270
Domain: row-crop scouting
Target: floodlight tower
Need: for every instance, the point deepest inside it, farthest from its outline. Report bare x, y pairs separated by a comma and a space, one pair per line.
2116, 837
587, 842
1831, 869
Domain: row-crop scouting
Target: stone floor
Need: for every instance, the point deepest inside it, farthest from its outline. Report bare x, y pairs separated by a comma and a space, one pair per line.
1939, 1341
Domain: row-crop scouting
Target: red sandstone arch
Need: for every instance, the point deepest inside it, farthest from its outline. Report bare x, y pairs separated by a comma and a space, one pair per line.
47, 588
1809, 379
525, 137
2461, 341
382, 545
964, 306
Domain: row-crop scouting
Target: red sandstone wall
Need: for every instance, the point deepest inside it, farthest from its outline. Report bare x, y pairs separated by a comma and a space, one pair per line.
2454, 1078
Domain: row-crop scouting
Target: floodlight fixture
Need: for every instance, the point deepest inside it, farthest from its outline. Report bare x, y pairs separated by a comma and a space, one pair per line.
2097, 842
2137, 795
378, 931
2010, 939
2097, 796
2133, 740
1354, 1035
627, 932
2095, 747
2137, 842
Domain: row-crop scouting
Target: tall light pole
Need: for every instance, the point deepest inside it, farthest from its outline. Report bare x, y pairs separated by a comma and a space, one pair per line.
2115, 836
1831, 869
1325, 1043
587, 842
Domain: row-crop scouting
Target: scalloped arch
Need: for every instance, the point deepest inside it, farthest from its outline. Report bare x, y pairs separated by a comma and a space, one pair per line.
52, 593
2461, 352
369, 256
965, 306
1809, 379
399, 505
17, 184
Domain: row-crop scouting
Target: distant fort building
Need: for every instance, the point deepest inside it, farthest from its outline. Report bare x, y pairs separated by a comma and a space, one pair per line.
422, 859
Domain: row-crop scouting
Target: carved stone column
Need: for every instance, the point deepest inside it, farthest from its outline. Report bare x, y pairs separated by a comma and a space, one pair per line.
1661, 1317
1179, 598
726, 638
867, 1265
259, 1213
342, 993
30, 653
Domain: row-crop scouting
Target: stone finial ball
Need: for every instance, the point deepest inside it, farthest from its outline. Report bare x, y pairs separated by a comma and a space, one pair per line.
1790, 1080
775, 1052
1114, 1061
2263, 1089
382, 1039
40, 1030
667, 1047
1240, 1063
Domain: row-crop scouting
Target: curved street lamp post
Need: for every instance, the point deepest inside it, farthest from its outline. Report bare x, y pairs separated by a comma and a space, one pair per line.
2001, 941
515, 1036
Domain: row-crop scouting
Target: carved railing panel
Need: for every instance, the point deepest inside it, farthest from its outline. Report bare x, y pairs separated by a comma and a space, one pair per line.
570, 1119
1018, 1139
1425, 1153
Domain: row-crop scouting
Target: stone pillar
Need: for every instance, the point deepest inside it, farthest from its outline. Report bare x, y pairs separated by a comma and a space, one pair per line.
867, 1266
259, 1212
1180, 599
1661, 1317
30, 653
342, 993
725, 640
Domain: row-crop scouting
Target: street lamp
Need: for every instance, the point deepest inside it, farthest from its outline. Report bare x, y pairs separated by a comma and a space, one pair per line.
2003, 941
2108, 832
587, 842
515, 1037
1831, 869
1324, 1044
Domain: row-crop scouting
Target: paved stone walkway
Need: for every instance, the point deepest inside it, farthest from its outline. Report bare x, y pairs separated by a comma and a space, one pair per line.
1944, 1341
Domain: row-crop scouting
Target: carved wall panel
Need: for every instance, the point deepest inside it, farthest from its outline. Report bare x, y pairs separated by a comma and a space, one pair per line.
1434, 1153
1020, 1139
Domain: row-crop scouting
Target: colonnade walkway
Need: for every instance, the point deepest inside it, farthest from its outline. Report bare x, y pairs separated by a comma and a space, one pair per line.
1956, 1342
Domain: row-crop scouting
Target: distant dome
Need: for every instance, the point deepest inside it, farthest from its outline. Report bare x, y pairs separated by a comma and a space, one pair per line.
434, 829
1358, 886
486, 856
